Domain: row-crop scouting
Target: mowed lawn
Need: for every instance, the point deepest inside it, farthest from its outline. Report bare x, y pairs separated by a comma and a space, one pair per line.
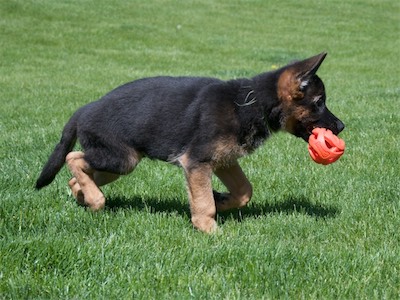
311, 231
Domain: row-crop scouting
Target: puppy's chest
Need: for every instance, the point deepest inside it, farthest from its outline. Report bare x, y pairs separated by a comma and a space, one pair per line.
254, 138
250, 134
253, 129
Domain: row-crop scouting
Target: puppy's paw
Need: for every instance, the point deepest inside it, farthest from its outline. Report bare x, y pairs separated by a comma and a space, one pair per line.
205, 224
97, 203
76, 191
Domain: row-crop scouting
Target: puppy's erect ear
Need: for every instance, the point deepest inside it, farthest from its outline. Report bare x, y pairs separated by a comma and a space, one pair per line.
307, 68
296, 77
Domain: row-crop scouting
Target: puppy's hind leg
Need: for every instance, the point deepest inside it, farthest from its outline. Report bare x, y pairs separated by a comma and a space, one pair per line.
100, 178
85, 167
103, 178
76, 191
83, 185
239, 187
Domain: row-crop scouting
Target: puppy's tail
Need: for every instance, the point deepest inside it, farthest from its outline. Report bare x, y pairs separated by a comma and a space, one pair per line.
57, 158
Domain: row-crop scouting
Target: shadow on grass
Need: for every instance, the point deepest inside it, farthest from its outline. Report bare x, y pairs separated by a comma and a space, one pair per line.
300, 205
296, 205
151, 205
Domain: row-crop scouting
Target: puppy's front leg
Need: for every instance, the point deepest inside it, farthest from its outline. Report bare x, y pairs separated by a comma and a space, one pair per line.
202, 205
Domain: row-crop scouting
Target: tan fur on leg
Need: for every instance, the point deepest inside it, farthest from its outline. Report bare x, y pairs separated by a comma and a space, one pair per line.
240, 189
83, 174
202, 205
76, 191
100, 178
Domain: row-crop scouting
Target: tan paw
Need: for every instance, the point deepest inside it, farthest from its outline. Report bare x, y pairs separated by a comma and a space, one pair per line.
76, 191
205, 224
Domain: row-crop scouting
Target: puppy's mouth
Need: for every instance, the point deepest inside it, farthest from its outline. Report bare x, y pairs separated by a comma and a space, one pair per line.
304, 131
307, 133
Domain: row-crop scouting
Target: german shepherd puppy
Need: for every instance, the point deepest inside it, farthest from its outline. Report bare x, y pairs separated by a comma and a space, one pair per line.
201, 124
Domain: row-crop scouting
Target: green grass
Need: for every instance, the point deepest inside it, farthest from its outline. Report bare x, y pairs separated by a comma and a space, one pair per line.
310, 231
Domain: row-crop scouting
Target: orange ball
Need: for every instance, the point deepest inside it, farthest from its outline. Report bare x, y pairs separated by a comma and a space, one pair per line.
325, 147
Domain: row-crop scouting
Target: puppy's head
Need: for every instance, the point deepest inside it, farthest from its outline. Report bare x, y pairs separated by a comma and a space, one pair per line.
302, 96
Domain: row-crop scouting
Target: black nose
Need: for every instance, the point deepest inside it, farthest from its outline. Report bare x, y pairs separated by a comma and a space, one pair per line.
339, 126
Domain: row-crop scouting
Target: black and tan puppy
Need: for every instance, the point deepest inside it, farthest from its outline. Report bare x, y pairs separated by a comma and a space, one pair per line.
201, 124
